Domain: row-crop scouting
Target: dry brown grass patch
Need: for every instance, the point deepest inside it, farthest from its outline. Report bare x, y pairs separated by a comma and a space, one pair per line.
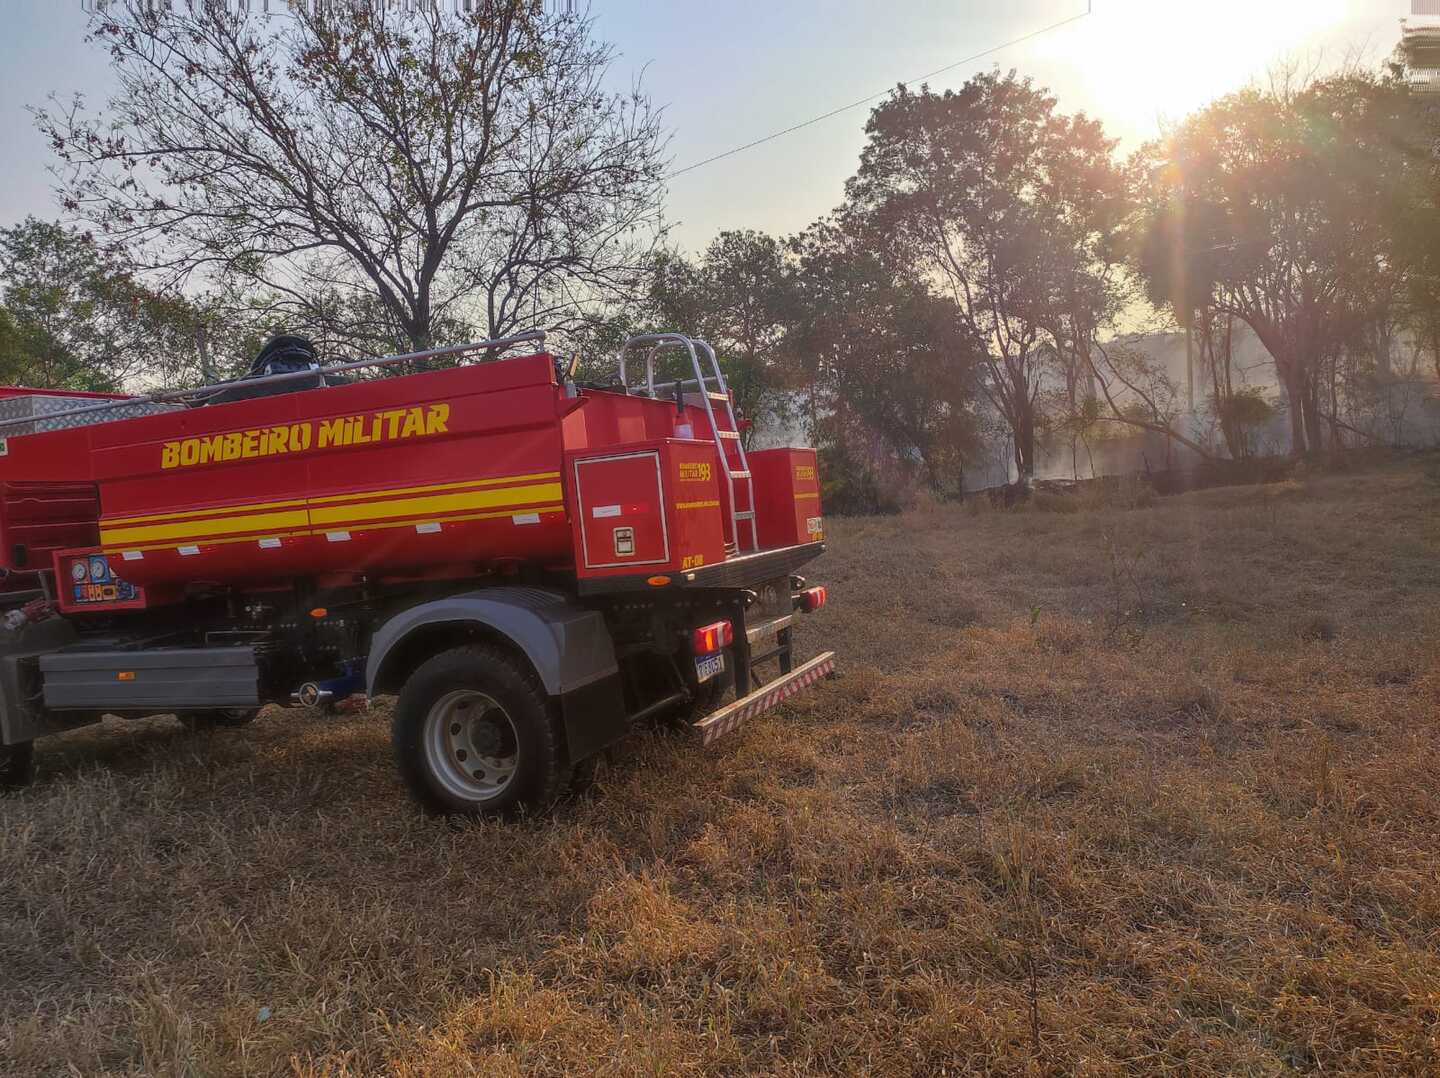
1092, 795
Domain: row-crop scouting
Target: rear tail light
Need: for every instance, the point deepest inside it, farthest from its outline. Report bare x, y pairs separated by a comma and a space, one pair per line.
812, 599
712, 637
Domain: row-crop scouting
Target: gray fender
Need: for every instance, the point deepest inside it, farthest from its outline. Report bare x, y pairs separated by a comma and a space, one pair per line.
570, 647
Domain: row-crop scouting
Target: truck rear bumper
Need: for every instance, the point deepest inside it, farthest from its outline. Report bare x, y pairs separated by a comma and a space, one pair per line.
719, 723
737, 572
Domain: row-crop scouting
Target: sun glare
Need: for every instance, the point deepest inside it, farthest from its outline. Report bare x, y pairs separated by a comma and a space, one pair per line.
1141, 62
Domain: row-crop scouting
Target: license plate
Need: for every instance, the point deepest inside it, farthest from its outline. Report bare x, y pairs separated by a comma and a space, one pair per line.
708, 666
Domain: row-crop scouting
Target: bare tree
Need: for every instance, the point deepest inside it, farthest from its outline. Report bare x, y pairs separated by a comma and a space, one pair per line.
1139, 393
460, 168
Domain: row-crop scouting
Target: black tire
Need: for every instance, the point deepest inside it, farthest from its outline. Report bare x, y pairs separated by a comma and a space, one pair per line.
226, 719
17, 765
435, 735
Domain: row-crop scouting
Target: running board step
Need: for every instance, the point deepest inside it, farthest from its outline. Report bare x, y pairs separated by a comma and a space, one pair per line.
766, 698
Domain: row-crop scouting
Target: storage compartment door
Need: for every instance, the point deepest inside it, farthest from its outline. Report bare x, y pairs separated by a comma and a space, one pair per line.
618, 500
160, 680
787, 497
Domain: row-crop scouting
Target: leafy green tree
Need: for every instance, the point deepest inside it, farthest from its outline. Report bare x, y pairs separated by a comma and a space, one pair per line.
883, 356
1278, 207
14, 350
739, 296
1415, 231
1002, 200
78, 317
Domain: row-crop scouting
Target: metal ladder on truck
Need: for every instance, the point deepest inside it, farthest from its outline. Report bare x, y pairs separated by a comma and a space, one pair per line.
729, 446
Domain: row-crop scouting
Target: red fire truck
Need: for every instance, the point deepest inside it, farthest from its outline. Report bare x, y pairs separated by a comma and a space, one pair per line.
530, 562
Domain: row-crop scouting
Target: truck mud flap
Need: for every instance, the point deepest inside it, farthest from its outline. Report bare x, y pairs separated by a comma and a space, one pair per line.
719, 723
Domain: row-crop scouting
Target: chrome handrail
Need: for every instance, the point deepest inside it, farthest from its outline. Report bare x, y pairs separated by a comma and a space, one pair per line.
659, 341
179, 395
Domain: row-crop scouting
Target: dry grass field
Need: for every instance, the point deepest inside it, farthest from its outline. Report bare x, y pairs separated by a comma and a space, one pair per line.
1117, 790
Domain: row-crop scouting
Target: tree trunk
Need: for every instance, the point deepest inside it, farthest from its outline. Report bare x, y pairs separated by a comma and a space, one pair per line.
1295, 397
1337, 445
1314, 431
1025, 445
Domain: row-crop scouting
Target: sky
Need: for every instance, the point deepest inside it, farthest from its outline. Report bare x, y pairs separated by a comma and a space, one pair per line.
733, 71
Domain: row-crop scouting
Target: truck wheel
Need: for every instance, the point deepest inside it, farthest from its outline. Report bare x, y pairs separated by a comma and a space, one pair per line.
17, 765
199, 721
474, 734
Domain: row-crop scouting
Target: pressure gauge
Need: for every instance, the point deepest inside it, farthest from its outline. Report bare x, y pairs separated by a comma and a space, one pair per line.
99, 569
77, 571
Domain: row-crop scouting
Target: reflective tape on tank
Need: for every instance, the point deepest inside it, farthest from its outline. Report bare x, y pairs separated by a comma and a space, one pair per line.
378, 508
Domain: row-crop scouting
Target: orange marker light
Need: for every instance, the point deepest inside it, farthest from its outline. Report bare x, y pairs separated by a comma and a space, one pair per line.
319, 612
712, 637
658, 581
125, 675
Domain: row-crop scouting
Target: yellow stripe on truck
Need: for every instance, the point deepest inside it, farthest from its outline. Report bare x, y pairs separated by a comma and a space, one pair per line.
427, 508
261, 522
464, 518
327, 509
436, 505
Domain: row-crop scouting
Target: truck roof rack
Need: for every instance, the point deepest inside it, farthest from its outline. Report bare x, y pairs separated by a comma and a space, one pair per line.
183, 396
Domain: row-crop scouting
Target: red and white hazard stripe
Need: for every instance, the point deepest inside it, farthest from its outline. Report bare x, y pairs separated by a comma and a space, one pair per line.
765, 698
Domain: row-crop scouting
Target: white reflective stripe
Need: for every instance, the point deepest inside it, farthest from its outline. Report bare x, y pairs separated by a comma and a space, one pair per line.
526, 518
269, 544
133, 555
338, 537
607, 511
187, 551
427, 529
729, 718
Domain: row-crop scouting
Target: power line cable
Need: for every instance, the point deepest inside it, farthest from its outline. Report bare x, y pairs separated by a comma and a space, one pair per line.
866, 100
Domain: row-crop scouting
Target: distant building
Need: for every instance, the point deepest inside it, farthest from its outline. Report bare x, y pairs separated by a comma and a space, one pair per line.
1419, 49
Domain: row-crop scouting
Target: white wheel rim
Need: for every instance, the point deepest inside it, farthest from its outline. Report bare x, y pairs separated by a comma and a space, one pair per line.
471, 745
